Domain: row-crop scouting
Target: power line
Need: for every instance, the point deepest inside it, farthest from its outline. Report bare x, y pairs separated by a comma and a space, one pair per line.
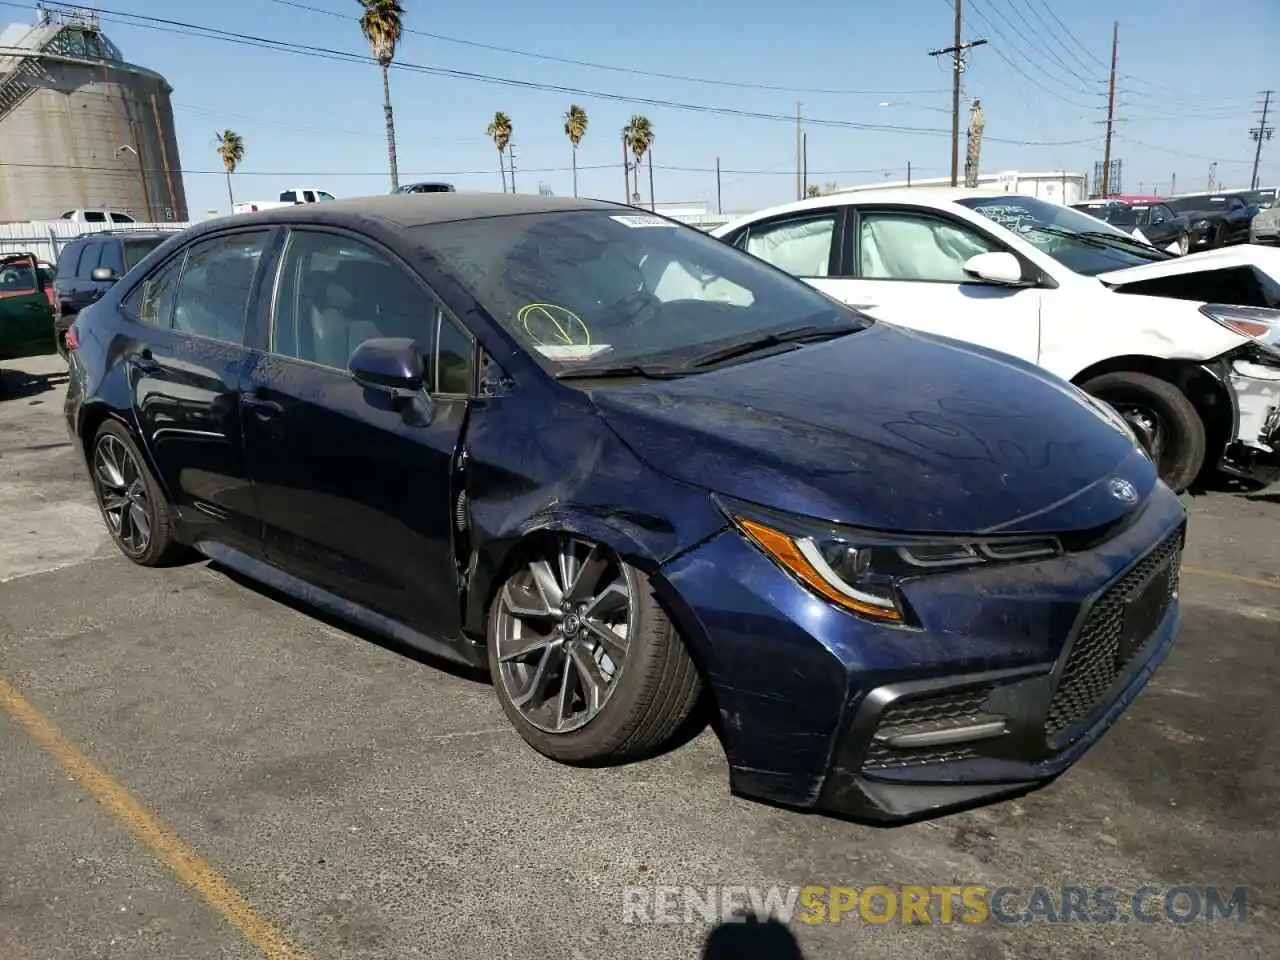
1260, 133
573, 61
1045, 49
1074, 39
132, 171
1178, 153
325, 53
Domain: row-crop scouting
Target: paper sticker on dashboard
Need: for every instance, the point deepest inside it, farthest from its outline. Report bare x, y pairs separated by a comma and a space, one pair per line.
636, 220
571, 352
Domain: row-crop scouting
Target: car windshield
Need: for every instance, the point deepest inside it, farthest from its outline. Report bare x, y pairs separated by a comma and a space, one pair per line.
1116, 214
625, 288
136, 250
1081, 243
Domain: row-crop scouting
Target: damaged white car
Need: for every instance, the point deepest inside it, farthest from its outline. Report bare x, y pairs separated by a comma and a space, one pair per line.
1187, 349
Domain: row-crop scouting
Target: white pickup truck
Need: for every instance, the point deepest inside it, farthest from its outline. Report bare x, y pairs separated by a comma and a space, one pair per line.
288, 198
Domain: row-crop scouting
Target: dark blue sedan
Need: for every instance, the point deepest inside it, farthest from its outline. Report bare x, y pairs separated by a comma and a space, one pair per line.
627, 466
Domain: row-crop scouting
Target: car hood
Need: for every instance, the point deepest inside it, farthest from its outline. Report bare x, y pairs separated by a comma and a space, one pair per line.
888, 429
1264, 259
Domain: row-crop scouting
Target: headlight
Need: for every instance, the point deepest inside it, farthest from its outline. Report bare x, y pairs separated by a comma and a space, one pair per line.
1200, 226
1257, 323
861, 571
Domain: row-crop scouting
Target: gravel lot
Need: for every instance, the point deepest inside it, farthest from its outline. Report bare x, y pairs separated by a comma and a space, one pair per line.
364, 803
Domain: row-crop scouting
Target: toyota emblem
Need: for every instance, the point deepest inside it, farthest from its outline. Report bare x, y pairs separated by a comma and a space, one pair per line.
1124, 491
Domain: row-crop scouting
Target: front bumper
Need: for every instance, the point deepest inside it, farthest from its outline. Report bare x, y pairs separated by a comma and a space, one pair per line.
1020, 669
1255, 453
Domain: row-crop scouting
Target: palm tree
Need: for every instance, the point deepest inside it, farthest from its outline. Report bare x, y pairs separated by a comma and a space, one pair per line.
641, 136
626, 163
231, 150
813, 190
575, 128
382, 24
500, 130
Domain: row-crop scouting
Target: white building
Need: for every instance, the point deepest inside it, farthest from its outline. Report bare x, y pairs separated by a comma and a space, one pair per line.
1057, 186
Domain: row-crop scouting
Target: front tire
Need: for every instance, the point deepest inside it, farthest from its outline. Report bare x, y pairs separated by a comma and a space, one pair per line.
587, 665
132, 504
1184, 244
1164, 419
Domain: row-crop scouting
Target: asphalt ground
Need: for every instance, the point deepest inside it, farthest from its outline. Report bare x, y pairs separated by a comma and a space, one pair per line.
191, 768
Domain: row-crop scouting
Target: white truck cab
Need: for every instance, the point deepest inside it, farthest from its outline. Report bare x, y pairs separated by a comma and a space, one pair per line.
288, 198
97, 216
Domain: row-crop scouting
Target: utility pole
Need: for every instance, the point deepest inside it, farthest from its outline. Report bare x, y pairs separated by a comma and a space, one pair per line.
956, 51
799, 155
626, 171
1213, 176
1259, 133
804, 165
719, 205
908, 173
1111, 111
511, 162
1173, 184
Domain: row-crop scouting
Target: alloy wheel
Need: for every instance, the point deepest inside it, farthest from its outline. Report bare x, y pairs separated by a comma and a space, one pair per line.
122, 493
1184, 244
562, 626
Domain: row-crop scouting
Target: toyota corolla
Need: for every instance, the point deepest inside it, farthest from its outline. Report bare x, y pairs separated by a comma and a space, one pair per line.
625, 466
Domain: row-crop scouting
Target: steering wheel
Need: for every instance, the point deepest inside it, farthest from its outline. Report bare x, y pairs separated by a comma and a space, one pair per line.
636, 308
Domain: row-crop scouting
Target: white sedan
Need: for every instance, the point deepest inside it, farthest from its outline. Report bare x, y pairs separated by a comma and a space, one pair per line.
1186, 348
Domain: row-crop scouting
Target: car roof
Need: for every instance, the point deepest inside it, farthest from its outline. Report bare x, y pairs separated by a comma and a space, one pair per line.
936, 197
416, 209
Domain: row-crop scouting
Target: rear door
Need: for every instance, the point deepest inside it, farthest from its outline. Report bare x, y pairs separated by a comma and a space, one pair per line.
26, 319
186, 362
356, 487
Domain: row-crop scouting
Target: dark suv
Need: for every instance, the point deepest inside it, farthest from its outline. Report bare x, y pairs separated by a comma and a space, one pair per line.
89, 265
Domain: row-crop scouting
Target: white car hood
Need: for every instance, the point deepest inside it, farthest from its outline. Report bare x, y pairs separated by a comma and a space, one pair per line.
1265, 259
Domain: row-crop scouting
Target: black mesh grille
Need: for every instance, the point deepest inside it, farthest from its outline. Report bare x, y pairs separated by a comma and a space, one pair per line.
1094, 661
933, 713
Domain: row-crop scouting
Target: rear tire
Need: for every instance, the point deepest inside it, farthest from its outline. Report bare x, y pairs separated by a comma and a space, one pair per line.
132, 504
545, 621
1164, 419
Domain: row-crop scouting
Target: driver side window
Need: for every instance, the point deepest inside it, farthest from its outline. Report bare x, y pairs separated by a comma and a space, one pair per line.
913, 246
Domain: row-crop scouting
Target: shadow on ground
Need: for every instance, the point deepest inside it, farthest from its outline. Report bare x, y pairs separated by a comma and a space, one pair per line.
751, 938
19, 385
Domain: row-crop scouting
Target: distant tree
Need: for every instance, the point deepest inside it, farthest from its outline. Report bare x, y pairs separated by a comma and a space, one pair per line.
544, 190
830, 188
382, 25
575, 128
813, 190
641, 140
231, 150
500, 130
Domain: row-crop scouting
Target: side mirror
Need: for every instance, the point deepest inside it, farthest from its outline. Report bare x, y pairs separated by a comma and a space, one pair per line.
999, 267
104, 274
391, 364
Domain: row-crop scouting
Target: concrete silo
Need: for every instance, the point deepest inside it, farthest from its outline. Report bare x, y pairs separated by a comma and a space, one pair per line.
82, 129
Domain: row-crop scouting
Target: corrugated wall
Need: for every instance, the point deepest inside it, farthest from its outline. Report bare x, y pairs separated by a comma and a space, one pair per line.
95, 137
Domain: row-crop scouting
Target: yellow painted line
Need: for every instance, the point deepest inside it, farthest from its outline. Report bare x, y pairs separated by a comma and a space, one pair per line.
1234, 577
167, 847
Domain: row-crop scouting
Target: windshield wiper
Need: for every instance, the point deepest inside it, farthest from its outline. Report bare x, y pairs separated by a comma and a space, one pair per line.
620, 370
809, 333
1127, 241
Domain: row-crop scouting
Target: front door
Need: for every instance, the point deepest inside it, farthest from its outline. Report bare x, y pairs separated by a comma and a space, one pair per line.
26, 318
356, 486
186, 363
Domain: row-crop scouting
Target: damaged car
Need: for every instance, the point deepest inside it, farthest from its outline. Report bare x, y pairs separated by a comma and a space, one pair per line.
625, 467
1186, 349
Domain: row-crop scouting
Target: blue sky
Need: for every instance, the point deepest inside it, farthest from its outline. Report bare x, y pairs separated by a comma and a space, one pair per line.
1190, 73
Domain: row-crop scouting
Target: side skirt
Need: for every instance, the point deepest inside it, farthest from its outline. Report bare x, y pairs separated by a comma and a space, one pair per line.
465, 652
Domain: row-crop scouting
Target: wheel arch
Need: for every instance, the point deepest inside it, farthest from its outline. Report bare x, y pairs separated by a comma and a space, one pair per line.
1205, 387
97, 412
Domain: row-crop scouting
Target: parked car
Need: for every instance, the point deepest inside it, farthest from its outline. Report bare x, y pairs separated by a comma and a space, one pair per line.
97, 216
1154, 222
1217, 219
1186, 348
26, 319
287, 198
619, 462
424, 188
89, 265
1265, 227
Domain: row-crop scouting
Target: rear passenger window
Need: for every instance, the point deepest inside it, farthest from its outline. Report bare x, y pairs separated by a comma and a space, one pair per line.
152, 300
89, 259
95, 216
213, 294
111, 257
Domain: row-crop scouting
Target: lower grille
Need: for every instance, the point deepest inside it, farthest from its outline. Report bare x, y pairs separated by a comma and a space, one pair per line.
947, 711
1096, 658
